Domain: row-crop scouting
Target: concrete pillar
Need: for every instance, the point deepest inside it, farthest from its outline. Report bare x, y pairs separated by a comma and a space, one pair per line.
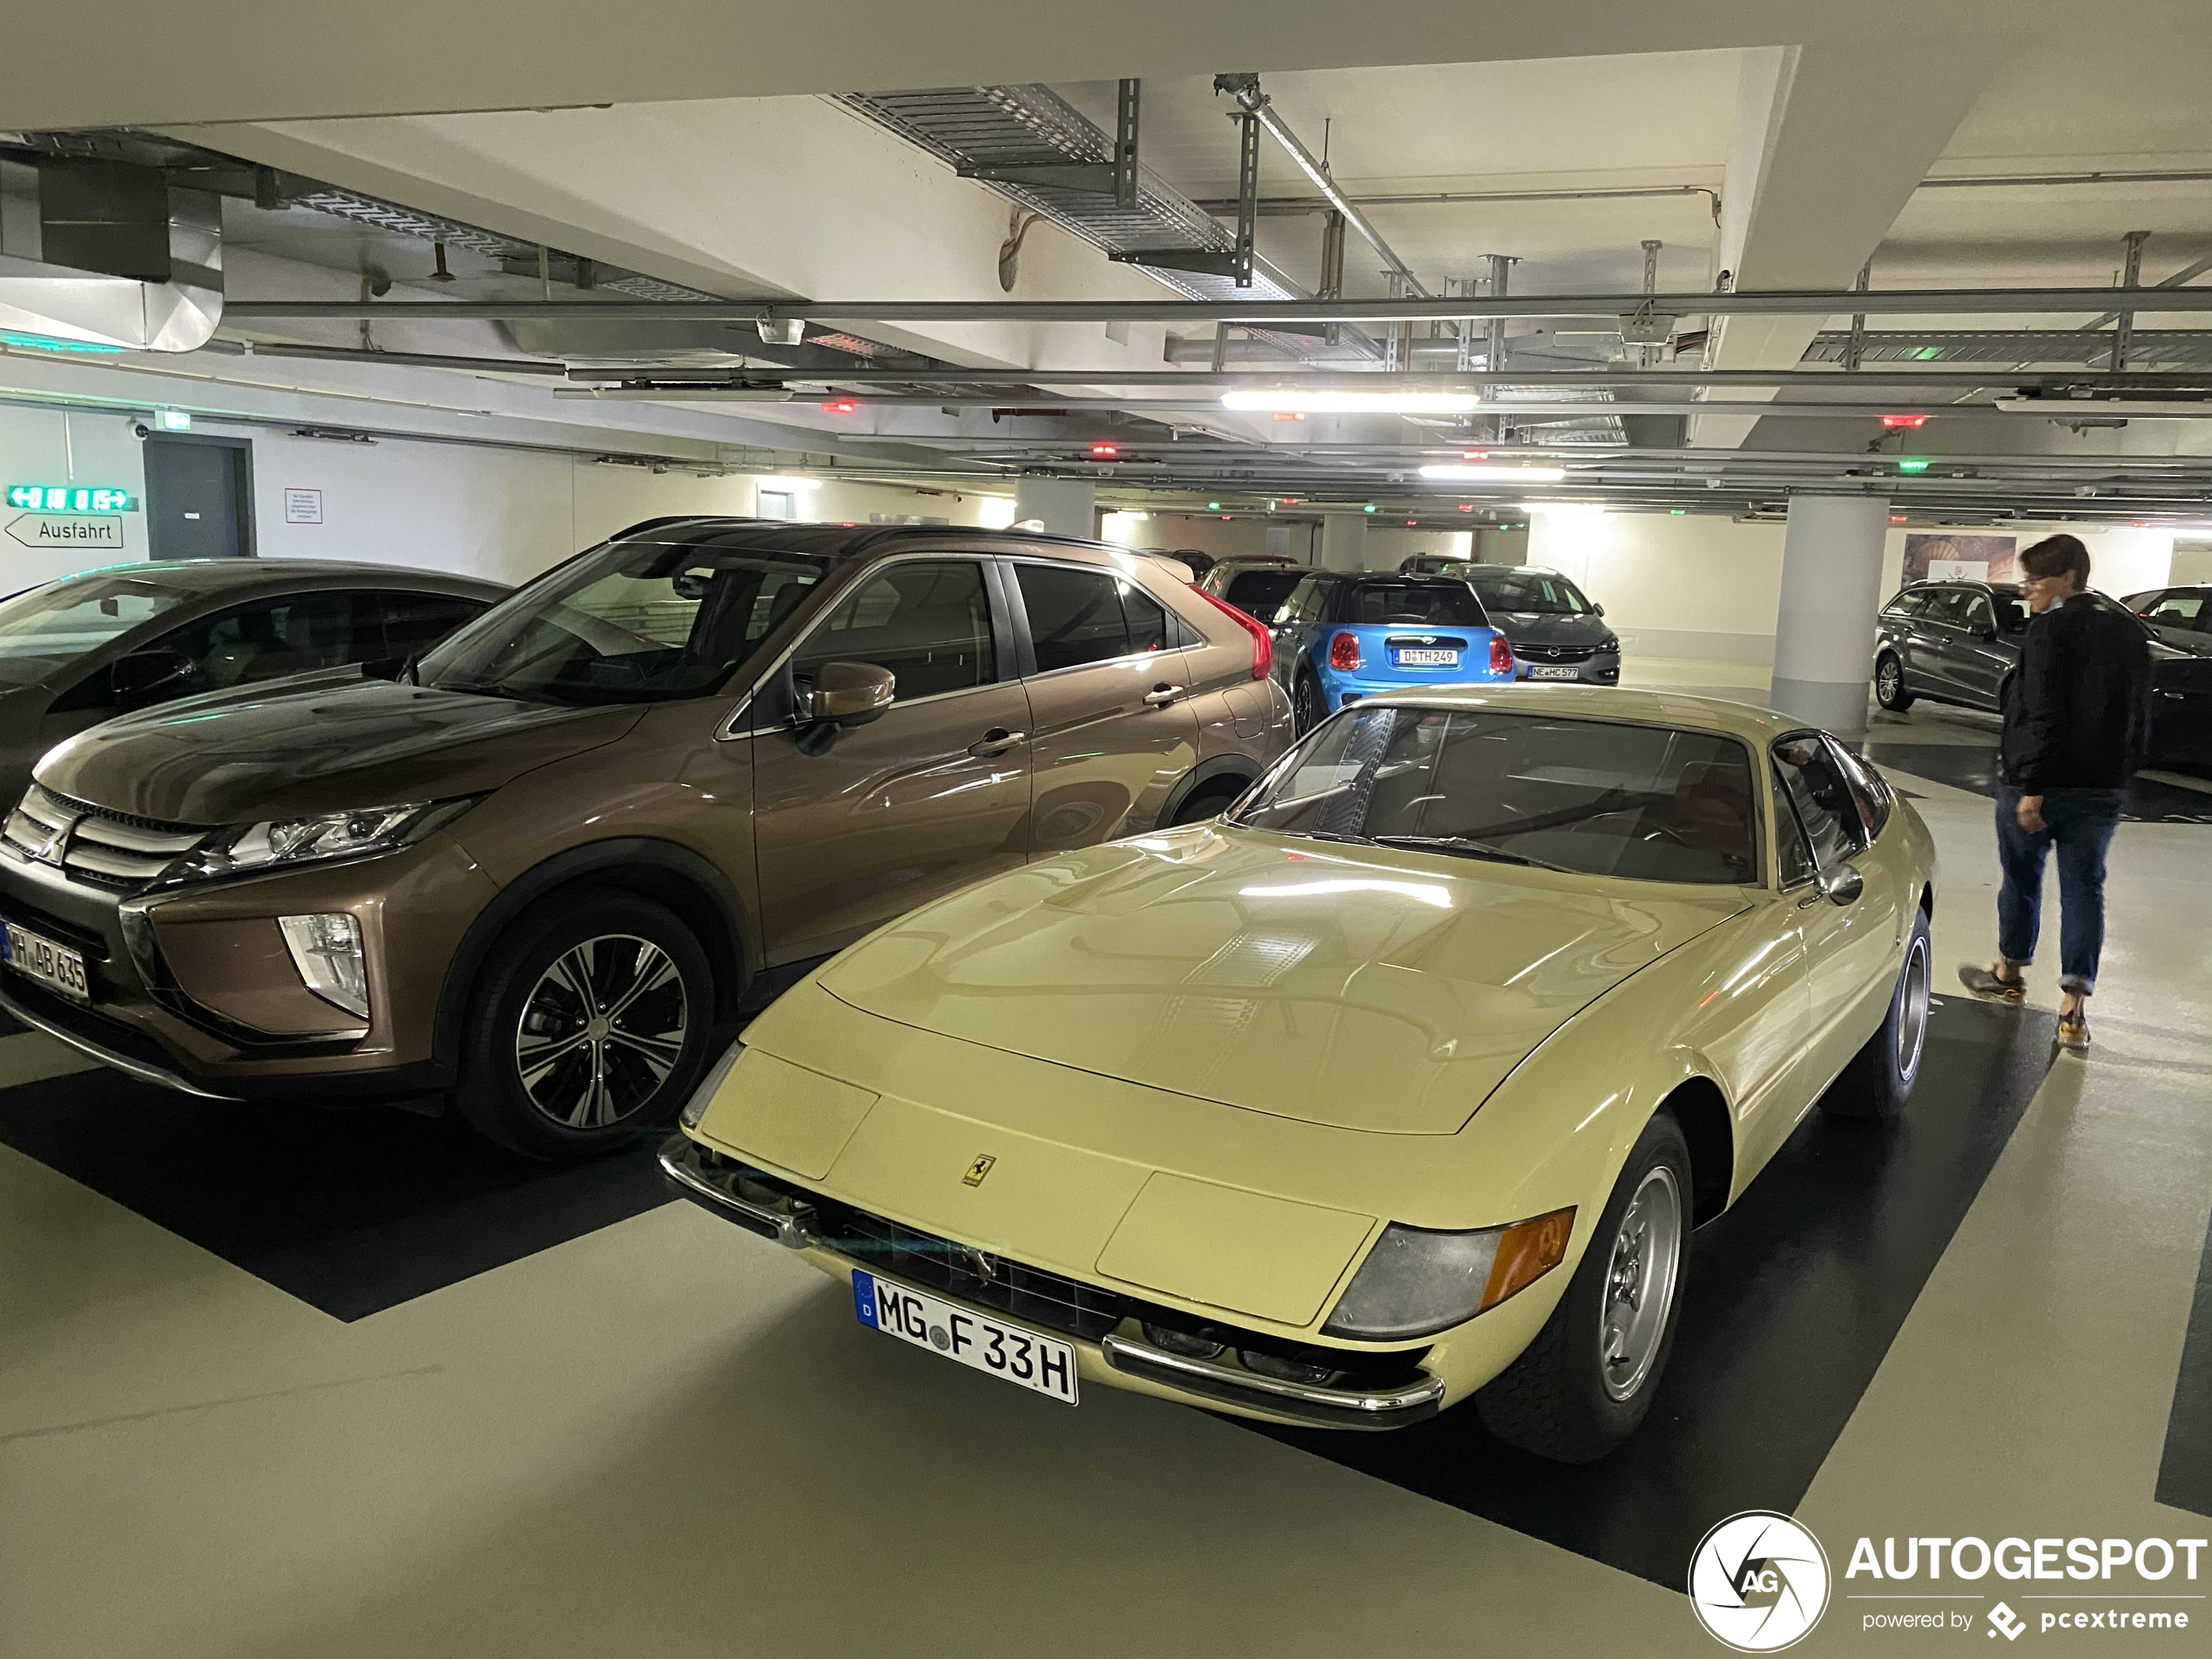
1831, 588
1068, 506
1344, 542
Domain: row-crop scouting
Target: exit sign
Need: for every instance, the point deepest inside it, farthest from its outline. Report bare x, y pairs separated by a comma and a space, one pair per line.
69, 498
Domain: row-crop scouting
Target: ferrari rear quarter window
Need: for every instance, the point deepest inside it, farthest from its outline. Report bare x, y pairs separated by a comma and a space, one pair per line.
1649, 803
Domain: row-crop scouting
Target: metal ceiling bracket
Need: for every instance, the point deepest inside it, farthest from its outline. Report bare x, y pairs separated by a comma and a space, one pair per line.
1234, 263
2131, 276
1856, 349
1116, 178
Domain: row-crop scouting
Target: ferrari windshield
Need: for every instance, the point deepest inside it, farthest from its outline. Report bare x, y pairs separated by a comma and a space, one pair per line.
1594, 797
636, 622
50, 627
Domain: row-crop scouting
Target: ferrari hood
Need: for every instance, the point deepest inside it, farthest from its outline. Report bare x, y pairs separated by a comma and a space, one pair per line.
1349, 986
230, 757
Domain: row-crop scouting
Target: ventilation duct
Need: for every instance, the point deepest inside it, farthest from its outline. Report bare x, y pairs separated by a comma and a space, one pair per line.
102, 255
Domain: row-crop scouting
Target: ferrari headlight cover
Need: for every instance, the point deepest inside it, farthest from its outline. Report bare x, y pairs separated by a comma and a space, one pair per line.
1417, 1281
279, 843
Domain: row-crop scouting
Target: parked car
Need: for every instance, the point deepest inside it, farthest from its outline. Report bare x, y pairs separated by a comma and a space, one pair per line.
1556, 632
2180, 617
106, 641
1432, 565
1400, 1085
536, 875
1256, 583
1956, 642
1339, 637
1189, 557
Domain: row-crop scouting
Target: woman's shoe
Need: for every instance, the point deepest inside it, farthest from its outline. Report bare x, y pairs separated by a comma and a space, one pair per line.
2074, 1031
1984, 981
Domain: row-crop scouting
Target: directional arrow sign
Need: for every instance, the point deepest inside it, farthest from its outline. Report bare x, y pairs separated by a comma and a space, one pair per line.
65, 529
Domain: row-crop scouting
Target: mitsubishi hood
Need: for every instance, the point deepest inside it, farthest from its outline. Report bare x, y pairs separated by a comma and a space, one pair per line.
1340, 984
228, 758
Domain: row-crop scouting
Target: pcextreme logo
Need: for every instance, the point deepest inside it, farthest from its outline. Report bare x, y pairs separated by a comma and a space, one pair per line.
1758, 1581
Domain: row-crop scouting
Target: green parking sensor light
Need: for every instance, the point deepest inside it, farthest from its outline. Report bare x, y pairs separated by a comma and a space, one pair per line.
1912, 463
1369, 508
1213, 506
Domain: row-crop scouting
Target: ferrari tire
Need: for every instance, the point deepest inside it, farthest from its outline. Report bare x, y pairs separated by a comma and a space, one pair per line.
589, 1022
1889, 684
1308, 707
1583, 1385
1878, 1080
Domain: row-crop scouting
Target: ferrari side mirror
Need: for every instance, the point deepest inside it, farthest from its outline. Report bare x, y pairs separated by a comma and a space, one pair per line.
1840, 884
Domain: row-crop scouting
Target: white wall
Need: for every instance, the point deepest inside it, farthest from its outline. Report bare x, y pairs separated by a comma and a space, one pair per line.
1390, 546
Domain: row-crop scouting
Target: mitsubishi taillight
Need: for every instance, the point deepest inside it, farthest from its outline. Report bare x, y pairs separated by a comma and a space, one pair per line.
1500, 655
1344, 653
1262, 641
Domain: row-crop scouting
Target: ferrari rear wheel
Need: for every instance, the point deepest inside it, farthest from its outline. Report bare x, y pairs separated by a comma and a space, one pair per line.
1583, 1386
1879, 1081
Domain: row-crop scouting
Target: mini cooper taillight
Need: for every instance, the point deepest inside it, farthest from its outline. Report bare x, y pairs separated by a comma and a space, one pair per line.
1500, 655
1344, 653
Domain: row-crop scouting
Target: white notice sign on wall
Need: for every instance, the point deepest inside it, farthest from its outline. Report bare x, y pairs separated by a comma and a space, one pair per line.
303, 507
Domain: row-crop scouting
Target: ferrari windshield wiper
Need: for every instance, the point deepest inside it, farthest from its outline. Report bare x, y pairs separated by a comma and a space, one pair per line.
1328, 835
1461, 846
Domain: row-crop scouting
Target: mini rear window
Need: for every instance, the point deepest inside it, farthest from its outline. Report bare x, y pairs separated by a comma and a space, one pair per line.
1441, 603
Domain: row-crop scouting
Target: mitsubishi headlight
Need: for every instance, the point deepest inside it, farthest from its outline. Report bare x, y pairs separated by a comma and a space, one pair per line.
1416, 1282
279, 843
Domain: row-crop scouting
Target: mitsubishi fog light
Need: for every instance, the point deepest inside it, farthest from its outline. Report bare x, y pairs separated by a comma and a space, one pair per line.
1416, 1282
702, 1096
326, 949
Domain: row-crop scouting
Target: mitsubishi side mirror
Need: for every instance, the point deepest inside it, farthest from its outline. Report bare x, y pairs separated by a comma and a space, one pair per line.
148, 677
1840, 884
843, 694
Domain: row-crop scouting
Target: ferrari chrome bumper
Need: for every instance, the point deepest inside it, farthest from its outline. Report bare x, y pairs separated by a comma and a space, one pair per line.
1312, 1403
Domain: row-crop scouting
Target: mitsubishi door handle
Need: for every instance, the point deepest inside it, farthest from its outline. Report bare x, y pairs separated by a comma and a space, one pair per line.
1160, 695
996, 741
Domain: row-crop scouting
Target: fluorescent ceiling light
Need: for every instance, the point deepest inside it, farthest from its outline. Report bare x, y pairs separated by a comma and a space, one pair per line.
1495, 472
789, 483
1355, 402
1585, 508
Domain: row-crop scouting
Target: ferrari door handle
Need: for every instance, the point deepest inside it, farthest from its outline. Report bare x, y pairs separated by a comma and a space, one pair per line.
1160, 695
996, 741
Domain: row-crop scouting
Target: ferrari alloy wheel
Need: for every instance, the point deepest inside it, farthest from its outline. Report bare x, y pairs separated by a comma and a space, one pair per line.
1640, 1283
1889, 684
1583, 1386
589, 1022
1878, 1080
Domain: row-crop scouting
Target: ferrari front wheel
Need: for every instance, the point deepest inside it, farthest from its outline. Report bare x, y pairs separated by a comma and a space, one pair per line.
1583, 1386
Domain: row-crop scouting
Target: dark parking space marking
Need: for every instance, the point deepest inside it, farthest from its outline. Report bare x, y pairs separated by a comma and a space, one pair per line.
1973, 766
2185, 1466
351, 1210
1794, 1297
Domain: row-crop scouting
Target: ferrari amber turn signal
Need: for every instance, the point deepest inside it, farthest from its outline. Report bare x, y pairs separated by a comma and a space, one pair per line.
1416, 1282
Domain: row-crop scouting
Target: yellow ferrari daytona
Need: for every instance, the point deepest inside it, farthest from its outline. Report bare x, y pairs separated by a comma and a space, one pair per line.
1400, 1083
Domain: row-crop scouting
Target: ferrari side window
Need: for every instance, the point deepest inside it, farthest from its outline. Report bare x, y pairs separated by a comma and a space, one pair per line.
1792, 857
1822, 797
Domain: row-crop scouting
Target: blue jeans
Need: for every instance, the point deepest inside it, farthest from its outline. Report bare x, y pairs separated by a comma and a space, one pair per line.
2080, 823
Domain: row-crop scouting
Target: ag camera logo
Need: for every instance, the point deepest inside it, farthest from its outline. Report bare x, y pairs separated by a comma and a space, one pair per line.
1758, 1581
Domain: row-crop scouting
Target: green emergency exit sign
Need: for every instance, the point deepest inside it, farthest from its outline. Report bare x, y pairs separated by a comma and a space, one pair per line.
69, 498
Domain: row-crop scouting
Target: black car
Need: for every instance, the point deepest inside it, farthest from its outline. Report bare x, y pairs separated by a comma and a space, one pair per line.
84, 649
2180, 617
1557, 633
1956, 642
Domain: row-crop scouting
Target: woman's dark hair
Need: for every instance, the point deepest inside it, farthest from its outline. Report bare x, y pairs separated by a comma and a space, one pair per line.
2056, 556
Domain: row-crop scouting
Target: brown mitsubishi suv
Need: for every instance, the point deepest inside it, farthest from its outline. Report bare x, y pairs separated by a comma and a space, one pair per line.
537, 871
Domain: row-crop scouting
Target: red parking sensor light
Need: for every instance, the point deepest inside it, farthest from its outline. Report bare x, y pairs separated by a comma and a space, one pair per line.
1900, 423
1467, 507
1104, 451
840, 406
1290, 415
